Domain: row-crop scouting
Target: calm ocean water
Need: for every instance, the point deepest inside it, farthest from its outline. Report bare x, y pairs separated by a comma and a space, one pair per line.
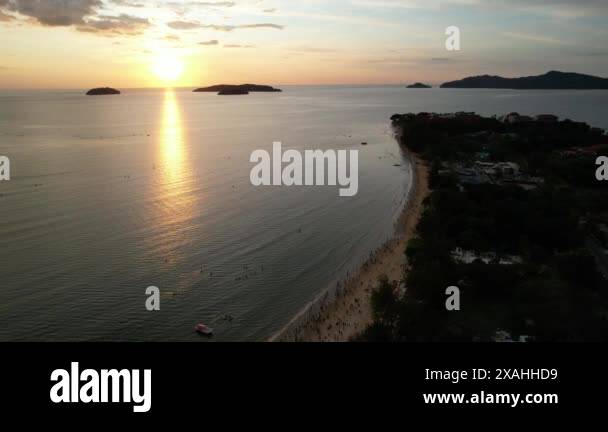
110, 195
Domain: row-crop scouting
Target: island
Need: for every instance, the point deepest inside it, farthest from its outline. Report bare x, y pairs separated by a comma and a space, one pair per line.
243, 89
419, 85
553, 80
103, 91
237, 91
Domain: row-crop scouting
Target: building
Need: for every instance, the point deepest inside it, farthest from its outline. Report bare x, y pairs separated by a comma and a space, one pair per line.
508, 169
502, 169
462, 256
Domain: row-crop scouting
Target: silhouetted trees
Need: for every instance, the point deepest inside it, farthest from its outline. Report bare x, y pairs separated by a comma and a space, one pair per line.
555, 293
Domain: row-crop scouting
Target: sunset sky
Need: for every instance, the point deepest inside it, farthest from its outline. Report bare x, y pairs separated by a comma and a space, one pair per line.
149, 43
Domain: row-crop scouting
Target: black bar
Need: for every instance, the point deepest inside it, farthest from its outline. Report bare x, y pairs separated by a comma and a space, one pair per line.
192, 378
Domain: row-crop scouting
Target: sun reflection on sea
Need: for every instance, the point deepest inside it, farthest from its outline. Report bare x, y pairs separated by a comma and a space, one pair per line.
172, 140
176, 196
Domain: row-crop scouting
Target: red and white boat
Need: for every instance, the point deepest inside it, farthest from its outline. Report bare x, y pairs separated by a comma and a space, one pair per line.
203, 329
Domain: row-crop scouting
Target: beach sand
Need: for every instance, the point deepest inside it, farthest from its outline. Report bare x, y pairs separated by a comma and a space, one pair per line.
339, 317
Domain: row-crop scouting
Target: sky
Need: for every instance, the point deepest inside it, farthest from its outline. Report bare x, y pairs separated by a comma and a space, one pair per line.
71, 44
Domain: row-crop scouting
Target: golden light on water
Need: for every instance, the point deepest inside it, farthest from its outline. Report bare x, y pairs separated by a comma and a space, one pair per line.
172, 139
176, 201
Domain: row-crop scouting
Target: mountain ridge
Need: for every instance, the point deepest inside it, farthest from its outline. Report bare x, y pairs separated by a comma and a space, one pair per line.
552, 80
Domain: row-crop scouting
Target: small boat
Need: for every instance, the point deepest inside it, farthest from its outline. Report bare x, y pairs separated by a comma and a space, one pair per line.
203, 329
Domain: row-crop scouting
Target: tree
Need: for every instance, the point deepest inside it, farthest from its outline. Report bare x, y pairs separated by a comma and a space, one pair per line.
384, 300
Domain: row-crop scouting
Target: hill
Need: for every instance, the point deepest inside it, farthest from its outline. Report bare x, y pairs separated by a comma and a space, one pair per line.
550, 80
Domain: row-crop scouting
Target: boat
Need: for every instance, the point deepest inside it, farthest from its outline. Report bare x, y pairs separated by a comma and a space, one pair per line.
203, 329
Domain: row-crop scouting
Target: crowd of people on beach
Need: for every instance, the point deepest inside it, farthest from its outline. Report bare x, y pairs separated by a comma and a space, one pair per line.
345, 310
319, 323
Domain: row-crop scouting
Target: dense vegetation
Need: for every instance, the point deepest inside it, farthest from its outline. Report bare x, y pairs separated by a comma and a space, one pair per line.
555, 293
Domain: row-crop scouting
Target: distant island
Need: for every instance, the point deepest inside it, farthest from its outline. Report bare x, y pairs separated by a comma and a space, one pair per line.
103, 91
243, 89
551, 80
419, 85
236, 91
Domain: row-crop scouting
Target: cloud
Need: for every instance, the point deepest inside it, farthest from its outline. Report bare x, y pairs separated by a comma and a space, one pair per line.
555, 8
184, 25
561, 8
238, 46
413, 60
534, 38
212, 4
117, 25
209, 43
592, 53
191, 25
127, 3
82, 14
584, 4
182, 7
54, 12
5, 17
229, 28
273, 26
98, 16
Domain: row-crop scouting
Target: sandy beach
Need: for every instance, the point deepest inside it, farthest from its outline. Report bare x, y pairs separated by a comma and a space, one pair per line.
339, 317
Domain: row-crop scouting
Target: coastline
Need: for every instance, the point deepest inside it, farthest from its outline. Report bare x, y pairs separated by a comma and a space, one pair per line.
340, 316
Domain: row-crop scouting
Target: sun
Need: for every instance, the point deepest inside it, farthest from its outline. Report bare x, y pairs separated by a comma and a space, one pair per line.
167, 67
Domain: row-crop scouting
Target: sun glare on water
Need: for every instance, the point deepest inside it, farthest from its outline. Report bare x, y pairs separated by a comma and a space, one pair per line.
168, 68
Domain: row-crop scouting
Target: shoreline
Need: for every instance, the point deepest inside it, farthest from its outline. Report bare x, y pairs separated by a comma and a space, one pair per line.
345, 313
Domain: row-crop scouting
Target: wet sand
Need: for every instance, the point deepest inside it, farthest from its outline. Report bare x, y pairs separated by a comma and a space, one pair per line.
342, 315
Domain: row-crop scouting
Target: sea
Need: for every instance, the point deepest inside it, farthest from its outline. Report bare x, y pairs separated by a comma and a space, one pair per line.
111, 195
